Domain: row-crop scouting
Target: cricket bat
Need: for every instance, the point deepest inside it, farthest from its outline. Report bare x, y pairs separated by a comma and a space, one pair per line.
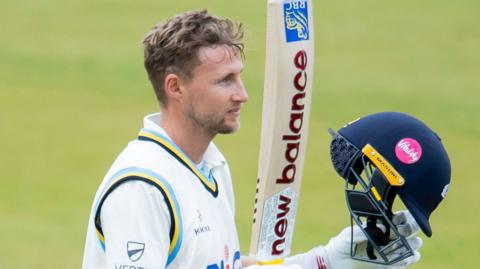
285, 116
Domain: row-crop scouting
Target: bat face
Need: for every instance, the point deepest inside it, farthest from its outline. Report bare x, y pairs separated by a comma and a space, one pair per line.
286, 109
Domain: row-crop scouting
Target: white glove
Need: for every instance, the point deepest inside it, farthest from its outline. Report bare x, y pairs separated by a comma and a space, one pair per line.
405, 223
336, 254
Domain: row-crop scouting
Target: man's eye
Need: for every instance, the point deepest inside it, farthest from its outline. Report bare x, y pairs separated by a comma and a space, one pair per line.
226, 81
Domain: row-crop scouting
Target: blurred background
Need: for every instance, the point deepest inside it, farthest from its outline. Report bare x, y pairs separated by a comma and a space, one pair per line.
73, 92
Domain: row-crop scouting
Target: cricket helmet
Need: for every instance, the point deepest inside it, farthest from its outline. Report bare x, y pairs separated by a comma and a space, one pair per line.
381, 156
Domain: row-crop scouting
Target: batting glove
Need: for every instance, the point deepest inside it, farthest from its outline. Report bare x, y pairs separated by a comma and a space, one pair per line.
336, 254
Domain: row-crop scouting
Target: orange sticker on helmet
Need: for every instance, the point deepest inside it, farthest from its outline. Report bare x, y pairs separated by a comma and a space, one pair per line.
393, 177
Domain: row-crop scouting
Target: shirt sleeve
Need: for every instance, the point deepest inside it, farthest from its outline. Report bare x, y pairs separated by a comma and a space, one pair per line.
136, 224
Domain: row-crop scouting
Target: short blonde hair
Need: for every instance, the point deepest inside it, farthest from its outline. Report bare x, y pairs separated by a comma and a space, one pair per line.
172, 46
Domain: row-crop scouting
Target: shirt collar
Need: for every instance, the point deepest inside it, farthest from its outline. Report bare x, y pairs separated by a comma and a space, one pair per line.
210, 160
151, 122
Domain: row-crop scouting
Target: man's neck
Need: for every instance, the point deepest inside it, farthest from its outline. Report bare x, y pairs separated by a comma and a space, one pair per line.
191, 140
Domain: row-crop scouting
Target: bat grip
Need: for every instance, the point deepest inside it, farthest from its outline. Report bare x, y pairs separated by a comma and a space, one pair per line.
272, 262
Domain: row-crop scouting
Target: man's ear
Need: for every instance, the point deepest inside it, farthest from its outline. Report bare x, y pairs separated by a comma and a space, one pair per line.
172, 86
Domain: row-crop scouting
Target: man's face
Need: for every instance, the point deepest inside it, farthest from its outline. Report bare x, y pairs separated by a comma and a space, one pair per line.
215, 92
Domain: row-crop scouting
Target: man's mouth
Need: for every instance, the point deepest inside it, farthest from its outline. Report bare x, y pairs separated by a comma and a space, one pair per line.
234, 111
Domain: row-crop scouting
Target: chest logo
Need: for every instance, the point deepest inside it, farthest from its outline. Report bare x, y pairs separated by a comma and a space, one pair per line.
201, 227
135, 250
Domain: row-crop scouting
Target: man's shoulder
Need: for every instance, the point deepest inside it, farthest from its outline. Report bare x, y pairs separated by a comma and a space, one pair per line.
138, 154
139, 161
138, 151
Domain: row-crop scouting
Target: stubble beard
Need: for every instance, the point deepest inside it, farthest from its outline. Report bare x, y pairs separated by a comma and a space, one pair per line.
212, 124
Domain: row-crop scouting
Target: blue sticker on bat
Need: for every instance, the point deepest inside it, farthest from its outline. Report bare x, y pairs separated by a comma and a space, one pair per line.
295, 16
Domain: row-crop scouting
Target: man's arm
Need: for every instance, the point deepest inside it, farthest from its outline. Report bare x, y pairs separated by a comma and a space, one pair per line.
136, 226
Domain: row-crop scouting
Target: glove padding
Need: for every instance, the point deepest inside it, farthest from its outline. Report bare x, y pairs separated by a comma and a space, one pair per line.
405, 223
336, 254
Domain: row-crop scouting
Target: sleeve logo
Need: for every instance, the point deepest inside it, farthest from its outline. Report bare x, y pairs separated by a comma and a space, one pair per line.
135, 250
295, 14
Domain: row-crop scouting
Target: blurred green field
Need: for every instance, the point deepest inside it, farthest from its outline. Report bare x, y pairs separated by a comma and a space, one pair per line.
73, 92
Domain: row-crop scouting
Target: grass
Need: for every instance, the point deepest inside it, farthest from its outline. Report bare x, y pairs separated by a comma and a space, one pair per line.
73, 92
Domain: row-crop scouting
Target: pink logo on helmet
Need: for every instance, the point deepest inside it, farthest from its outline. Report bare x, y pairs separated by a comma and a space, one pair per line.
408, 150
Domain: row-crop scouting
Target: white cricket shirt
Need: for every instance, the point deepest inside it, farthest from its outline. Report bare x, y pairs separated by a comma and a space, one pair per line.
156, 209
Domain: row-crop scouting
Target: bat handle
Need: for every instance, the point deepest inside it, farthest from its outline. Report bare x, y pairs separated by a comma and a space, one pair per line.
272, 262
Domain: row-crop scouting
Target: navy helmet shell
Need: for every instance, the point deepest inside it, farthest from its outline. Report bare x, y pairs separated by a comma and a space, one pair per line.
415, 151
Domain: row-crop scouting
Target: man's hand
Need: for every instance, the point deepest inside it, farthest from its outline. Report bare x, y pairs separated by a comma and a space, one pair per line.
338, 248
336, 254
